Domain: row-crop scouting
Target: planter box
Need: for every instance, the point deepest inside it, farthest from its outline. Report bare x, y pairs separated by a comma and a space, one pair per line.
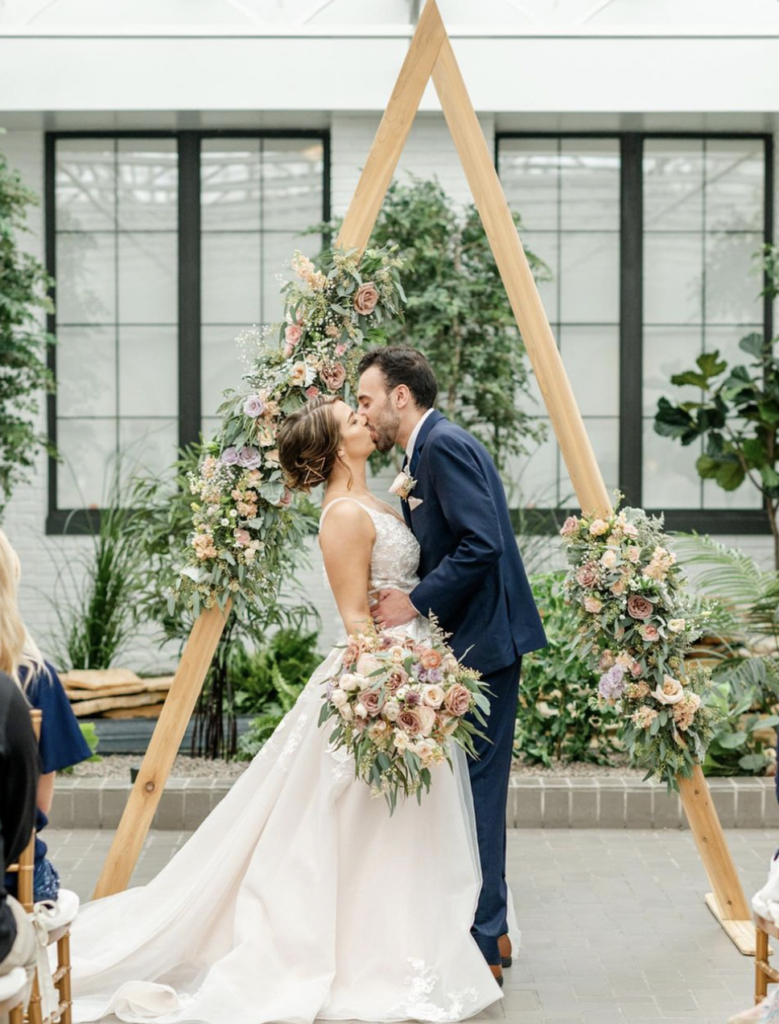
132, 735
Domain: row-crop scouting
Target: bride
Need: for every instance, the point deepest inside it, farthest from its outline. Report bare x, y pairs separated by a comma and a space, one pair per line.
299, 897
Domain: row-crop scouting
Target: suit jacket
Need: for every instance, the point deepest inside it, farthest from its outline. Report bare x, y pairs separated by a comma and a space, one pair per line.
472, 577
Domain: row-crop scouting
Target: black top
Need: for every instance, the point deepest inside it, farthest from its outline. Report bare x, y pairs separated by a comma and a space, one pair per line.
19, 770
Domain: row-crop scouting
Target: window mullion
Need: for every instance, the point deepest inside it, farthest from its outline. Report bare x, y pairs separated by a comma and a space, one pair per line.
631, 318
189, 273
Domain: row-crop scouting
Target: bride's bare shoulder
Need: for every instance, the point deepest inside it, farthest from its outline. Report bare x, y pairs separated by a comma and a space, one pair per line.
341, 515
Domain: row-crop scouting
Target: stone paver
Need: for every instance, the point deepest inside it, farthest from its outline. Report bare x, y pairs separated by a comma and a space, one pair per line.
615, 930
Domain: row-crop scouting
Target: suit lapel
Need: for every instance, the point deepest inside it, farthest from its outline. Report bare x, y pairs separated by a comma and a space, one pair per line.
427, 426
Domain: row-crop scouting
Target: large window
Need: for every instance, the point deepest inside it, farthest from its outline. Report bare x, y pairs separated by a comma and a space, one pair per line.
164, 247
650, 240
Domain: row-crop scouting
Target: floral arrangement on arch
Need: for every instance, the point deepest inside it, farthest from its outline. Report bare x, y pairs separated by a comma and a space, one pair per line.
638, 625
244, 523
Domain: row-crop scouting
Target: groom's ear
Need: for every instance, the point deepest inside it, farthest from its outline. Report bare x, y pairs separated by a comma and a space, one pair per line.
402, 396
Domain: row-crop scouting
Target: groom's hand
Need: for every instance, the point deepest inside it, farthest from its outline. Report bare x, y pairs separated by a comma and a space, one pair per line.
393, 608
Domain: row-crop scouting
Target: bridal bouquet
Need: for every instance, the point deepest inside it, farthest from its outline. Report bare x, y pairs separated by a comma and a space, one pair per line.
638, 625
399, 703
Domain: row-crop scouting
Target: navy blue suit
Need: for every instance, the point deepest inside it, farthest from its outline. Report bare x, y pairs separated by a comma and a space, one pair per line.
473, 581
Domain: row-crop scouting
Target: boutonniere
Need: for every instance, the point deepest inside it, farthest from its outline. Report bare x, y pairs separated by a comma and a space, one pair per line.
403, 485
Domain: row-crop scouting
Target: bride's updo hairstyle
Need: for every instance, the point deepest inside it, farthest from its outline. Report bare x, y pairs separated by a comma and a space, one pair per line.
308, 443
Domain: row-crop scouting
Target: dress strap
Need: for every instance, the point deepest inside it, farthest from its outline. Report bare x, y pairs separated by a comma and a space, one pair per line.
335, 501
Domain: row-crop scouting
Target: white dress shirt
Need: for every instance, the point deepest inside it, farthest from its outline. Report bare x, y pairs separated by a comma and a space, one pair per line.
414, 435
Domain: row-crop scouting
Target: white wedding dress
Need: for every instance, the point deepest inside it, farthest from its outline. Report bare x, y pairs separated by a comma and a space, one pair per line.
299, 897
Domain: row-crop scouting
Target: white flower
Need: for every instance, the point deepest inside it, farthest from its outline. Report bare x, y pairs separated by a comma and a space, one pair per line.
609, 558
676, 625
391, 710
433, 695
360, 710
346, 712
338, 697
671, 692
349, 681
402, 692
403, 485
400, 739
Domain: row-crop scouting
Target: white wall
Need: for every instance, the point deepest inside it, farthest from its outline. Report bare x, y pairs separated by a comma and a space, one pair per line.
429, 152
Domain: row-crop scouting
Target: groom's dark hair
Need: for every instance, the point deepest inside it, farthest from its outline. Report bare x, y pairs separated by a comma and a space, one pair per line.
400, 364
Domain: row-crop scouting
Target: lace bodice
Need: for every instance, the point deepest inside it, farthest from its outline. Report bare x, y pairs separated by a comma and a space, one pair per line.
395, 557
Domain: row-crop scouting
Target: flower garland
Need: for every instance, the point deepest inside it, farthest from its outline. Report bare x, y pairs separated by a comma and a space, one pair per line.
638, 625
245, 526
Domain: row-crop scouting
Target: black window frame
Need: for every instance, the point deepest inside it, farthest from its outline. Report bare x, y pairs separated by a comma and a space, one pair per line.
60, 521
631, 341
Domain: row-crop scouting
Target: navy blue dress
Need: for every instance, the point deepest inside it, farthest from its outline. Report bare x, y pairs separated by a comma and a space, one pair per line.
61, 746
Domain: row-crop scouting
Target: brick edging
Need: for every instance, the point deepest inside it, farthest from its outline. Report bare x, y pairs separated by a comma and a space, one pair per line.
533, 802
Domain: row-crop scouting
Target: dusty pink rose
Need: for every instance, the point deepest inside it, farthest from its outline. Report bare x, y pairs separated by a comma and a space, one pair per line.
639, 607
293, 334
592, 605
396, 679
365, 298
635, 670
242, 538
569, 527
371, 700
289, 348
457, 700
649, 633
634, 553
340, 349
618, 588
587, 575
333, 375
409, 722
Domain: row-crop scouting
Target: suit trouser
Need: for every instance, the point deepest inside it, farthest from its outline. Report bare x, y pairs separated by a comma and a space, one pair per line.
490, 782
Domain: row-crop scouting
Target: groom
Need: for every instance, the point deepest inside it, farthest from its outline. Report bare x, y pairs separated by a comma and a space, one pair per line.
472, 580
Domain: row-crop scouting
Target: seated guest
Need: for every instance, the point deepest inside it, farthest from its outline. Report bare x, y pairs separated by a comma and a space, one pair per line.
18, 787
61, 742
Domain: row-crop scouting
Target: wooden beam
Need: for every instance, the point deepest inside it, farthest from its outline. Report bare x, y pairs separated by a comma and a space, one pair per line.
163, 747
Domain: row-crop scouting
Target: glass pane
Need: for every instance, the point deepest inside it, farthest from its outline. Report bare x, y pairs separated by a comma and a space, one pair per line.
148, 278
222, 365
591, 357
530, 173
669, 350
277, 251
735, 184
746, 496
86, 371
589, 272
533, 479
673, 185
230, 184
86, 269
210, 425
148, 371
732, 286
670, 477
88, 450
590, 180
725, 340
147, 184
292, 183
85, 184
546, 247
231, 278
148, 447
672, 278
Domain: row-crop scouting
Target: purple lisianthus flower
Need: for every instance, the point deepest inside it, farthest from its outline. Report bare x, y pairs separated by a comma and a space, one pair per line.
434, 675
230, 456
254, 406
249, 457
612, 683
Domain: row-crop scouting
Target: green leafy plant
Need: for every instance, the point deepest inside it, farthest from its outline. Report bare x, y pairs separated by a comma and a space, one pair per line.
458, 314
89, 732
737, 414
95, 591
263, 727
290, 656
744, 741
24, 296
554, 722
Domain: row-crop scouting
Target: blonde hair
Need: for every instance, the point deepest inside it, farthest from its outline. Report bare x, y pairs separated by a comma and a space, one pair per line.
17, 648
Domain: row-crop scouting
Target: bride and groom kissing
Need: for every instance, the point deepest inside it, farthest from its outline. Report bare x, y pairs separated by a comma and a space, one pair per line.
299, 897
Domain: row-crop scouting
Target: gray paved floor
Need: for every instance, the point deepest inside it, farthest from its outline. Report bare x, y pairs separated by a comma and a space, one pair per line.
614, 925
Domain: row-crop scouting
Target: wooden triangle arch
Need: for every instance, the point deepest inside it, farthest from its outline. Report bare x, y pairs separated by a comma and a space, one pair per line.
430, 55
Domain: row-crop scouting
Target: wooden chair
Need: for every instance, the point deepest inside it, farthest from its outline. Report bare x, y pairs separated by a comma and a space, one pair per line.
58, 931
764, 972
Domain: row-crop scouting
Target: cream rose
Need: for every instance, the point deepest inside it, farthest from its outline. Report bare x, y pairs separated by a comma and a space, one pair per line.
391, 710
338, 697
433, 695
677, 625
349, 682
609, 559
671, 692
367, 664
598, 527
427, 718
592, 605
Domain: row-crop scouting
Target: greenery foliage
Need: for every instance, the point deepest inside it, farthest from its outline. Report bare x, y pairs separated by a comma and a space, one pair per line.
737, 413
554, 722
24, 297
458, 314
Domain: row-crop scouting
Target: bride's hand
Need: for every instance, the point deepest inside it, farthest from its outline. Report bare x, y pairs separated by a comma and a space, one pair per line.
393, 608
